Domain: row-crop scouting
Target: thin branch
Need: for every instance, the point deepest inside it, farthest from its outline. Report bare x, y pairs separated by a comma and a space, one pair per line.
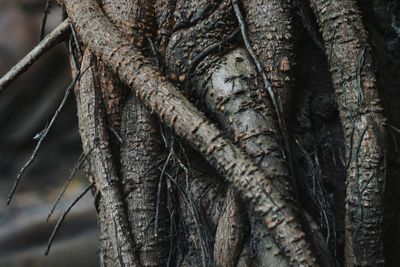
46, 12
77, 166
41, 136
53, 38
76, 41
62, 217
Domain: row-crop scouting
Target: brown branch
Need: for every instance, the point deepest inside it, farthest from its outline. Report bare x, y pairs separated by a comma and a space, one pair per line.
48, 42
139, 145
144, 189
160, 96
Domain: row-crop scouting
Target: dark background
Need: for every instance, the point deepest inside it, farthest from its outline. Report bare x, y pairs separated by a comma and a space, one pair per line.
25, 109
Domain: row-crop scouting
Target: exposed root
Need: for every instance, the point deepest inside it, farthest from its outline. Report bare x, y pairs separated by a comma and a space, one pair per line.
277, 71
144, 184
231, 232
95, 140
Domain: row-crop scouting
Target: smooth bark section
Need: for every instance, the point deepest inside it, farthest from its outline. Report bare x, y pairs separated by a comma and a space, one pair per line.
48, 42
103, 39
231, 231
350, 61
95, 142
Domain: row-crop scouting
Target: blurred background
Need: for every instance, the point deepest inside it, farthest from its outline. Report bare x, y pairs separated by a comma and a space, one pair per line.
26, 107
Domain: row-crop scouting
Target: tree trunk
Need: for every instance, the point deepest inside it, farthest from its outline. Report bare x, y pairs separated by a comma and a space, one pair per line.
233, 133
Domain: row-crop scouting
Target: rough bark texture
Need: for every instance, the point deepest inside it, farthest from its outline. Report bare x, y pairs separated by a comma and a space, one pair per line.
176, 111
270, 29
140, 153
231, 96
96, 144
210, 184
350, 61
188, 46
140, 148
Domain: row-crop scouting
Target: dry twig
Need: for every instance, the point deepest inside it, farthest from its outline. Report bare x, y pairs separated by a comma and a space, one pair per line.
77, 166
41, 136
53, 38
62, 217
46, 12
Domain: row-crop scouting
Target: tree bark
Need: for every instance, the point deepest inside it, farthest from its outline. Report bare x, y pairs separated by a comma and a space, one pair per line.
350, 62
202, 151
176, 111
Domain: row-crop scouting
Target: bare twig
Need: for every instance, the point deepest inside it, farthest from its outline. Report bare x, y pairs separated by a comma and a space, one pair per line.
46, 12
62, 217
77, 166
76, 41
48, 42
41, 136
